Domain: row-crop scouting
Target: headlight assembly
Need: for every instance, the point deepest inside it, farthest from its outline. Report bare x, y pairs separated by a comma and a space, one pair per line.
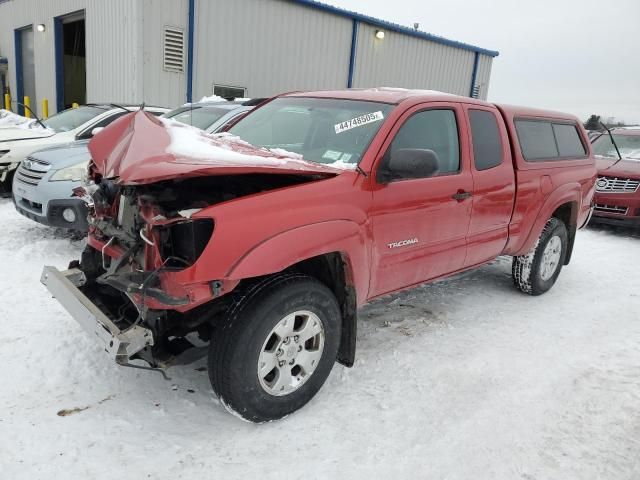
74, 173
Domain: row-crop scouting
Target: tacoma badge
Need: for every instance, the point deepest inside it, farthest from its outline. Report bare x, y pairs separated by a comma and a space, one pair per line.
402, 243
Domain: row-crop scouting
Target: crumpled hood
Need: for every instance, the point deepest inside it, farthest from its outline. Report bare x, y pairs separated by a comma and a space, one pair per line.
139, 148
623, 168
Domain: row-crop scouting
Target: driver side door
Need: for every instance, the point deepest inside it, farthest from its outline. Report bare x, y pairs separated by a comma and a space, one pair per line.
419, 225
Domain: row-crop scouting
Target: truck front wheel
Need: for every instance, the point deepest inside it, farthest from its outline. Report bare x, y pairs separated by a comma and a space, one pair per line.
276, 347
537, 271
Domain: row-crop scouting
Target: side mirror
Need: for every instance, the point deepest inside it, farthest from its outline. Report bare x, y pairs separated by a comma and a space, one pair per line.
96, 130
407, 163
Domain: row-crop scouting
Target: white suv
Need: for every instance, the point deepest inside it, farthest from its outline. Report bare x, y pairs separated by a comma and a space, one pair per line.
62, 128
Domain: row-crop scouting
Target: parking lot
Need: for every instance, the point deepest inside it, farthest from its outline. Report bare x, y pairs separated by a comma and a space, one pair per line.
465, 378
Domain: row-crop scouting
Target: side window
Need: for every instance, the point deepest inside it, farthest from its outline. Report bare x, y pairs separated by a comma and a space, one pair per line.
536, 139
542, 140
569, 143
435, 130
86, 134
485, 133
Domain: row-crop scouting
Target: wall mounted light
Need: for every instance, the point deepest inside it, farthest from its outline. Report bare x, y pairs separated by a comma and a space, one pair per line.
379, 34
40, 27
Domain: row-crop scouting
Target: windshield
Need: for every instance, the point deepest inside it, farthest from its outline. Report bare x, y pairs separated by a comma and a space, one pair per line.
321, 130
629, 146
72, 118
200, 117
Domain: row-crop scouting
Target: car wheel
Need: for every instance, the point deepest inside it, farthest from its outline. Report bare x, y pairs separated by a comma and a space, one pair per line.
276, 347
537, 271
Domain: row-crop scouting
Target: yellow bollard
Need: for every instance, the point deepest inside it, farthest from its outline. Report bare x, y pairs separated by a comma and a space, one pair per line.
45, 108
27, 103
74, 105
7, 101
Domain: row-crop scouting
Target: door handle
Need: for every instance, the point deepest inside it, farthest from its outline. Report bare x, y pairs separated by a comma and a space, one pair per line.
461, 195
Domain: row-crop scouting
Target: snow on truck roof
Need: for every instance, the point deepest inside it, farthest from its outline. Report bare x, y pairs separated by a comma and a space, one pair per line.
381, 94
397, 95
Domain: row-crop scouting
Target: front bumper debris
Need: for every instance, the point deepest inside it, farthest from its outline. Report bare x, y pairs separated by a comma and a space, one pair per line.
121, 345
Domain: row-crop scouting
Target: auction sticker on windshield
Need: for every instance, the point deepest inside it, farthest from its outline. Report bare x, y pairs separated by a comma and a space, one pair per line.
358, 121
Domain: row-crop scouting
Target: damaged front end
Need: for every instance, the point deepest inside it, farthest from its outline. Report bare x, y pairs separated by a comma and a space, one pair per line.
132, 287
128, 278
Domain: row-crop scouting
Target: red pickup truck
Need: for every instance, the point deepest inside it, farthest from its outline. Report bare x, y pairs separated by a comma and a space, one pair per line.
259, 245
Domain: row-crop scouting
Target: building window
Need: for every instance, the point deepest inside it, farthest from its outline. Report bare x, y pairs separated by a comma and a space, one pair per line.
229, 93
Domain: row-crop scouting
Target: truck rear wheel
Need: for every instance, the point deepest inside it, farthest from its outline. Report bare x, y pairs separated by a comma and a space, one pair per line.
537, 271
276, 347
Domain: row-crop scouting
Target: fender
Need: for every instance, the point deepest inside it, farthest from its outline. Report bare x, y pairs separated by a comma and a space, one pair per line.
292, 246
567, 193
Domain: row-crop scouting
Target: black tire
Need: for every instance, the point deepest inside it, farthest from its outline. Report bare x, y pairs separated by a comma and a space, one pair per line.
527, 270
237, 343
7, 185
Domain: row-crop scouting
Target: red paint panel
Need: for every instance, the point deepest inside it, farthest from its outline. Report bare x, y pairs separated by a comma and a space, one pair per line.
422, 210
493, 199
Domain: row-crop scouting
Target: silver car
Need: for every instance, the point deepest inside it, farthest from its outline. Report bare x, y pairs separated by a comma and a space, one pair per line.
44, 182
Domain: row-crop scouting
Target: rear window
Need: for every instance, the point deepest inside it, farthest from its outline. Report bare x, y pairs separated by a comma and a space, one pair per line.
200, 117
542, 140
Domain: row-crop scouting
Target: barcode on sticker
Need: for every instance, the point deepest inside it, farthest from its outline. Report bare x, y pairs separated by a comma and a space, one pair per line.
358, 121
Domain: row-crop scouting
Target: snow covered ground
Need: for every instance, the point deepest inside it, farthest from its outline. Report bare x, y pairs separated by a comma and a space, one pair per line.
464, 379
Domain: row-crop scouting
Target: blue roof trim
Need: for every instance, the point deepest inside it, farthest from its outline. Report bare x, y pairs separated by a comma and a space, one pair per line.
3, 61
474, 74
352, 53
394, 27
191, 14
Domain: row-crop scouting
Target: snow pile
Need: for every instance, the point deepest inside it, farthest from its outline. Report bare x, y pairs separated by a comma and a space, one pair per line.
423, 92
281, 152
630, 153
212, 98
625, 153
343, 165
9, 119
192, 143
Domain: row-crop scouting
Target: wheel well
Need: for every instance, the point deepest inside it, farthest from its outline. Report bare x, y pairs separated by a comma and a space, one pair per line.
334, 270
567, 213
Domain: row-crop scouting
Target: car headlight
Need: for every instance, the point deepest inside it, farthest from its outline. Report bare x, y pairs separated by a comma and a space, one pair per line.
74, 173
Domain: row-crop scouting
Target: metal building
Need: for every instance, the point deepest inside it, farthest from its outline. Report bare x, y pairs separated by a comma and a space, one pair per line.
166, 52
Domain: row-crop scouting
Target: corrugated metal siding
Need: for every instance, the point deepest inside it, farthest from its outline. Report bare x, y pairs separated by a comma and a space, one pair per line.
402, 61
484, 75
113, 46
266, 46
114, 51
161, 87
269, 47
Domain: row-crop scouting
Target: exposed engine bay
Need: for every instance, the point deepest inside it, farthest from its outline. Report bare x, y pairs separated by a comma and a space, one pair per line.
140, 233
